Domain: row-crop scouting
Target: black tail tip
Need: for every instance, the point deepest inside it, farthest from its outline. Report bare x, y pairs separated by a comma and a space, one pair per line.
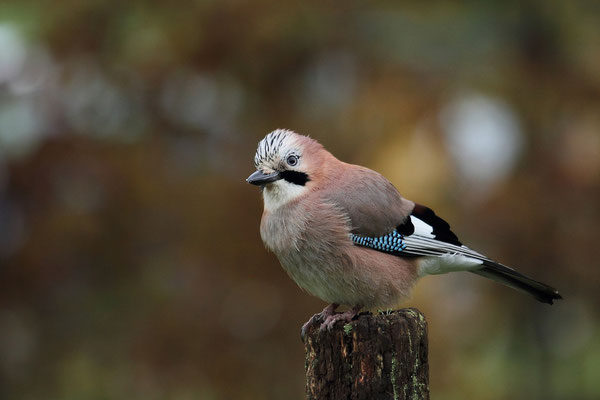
549, 298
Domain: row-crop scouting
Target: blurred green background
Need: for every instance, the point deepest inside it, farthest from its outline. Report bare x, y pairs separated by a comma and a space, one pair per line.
131, 265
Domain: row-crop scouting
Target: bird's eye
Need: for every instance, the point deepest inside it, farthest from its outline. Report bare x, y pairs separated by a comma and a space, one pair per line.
292, 160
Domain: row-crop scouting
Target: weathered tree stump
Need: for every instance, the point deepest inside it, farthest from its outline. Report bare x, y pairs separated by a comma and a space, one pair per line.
373, 357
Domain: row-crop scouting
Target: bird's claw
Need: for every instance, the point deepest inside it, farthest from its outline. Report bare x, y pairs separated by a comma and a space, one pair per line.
331, 320
322, 316
314, 319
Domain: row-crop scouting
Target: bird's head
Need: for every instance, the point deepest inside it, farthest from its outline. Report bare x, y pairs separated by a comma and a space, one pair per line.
287, 165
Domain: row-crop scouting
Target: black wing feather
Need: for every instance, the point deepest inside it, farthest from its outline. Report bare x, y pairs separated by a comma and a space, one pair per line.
405, 242
441, 229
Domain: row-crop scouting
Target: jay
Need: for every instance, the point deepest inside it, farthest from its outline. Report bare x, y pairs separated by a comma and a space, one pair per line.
344, 233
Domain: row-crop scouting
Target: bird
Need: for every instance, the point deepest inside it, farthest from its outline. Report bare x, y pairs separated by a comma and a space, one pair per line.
345, 235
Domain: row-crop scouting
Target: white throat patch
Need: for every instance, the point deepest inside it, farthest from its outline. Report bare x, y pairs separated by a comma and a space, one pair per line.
281, 192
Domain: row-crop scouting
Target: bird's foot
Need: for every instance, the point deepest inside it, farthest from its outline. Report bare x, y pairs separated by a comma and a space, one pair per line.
322, 316
346, 316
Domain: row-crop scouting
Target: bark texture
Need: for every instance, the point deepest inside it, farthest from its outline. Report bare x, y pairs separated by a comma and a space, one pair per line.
373, 357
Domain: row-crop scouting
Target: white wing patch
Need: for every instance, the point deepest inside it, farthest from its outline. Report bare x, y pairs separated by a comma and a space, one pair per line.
422, 228
439, 257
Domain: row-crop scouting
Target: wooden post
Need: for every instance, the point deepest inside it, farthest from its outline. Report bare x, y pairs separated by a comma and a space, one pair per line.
373, 357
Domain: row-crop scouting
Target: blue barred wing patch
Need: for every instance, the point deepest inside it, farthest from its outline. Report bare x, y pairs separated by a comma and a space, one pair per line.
391, 243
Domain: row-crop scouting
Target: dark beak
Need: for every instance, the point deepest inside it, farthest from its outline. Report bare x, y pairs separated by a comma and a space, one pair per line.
259, 178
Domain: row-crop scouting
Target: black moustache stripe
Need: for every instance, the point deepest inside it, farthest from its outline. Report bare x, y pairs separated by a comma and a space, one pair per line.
295, 177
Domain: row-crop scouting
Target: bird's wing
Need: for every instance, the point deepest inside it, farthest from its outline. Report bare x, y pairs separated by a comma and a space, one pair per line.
422, 234
385, 221
426, 235
373, 205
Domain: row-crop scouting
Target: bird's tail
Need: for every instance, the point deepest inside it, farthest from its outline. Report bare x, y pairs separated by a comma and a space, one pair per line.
512, 278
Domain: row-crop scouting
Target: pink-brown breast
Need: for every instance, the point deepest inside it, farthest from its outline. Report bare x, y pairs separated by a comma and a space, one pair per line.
311, 238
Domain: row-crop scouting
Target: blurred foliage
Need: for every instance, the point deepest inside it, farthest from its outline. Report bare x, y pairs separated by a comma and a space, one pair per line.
131, 265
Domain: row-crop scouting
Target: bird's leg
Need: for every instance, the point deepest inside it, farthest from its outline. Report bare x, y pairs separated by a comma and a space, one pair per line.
323, 315
345, 316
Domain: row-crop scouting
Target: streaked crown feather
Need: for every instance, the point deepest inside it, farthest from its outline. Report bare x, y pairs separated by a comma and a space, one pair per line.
268, 148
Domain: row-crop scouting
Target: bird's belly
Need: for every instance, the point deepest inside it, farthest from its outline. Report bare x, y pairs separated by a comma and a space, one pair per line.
324, 276
362, 277
314, 246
